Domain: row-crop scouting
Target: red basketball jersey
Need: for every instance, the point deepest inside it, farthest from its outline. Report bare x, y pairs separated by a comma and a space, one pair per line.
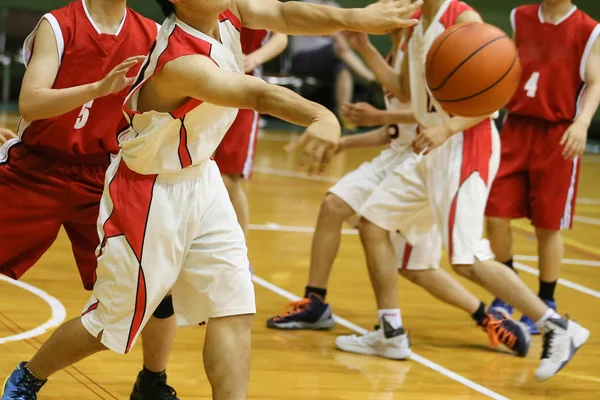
86, 56
253, 40
553, 58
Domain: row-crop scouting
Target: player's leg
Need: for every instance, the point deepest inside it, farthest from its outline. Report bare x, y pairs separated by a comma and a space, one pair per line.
238, 197
215, 285
339, 204
32, 198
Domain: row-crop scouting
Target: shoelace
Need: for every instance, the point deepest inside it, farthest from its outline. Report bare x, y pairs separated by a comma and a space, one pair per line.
26, 388
294, 307
164, 391
497, 333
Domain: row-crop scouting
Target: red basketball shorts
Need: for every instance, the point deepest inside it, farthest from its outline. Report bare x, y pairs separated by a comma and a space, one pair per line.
534, 180
235, 154
38, 195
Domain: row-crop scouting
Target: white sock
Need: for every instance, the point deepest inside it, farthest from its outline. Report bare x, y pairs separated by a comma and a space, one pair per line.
392, 316
549, 314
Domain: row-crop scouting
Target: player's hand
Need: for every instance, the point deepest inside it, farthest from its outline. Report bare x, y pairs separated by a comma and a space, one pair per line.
251, 62
430, 138
383, 17
362, 114
5, 135
117, 79
319, 144
574, 140
358, 40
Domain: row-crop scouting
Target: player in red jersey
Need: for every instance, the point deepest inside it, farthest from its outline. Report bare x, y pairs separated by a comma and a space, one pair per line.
235, 154
545, 134
52, 173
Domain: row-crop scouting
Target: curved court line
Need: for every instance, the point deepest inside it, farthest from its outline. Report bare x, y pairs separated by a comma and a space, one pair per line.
58, 312
415, 357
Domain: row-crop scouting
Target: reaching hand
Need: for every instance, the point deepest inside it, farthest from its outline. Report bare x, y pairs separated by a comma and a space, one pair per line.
251, 62
362, 114
430, 138
117, 79
574, 140
358, 40
383, 17
5, 135
320, 142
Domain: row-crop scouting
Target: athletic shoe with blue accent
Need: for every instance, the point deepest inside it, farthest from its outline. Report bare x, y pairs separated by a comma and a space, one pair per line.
22, 384
512, 334
502, 307
151, 386
307, 313
533, 330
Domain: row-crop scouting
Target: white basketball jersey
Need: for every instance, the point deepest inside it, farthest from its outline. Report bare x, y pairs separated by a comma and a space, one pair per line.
401, 134
166, 142
428, 112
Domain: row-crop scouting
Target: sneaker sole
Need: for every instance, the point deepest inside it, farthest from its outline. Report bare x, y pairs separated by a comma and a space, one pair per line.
298, 325
4, 387
582, 338
393, 354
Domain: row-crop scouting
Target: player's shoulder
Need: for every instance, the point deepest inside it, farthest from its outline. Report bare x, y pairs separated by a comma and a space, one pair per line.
180, 40
69, 13
140, 20
584, 20
529, 10
455, 9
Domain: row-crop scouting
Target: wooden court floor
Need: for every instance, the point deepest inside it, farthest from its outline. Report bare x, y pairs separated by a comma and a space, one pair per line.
452, 358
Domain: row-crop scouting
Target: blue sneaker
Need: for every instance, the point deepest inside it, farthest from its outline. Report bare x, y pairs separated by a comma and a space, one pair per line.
22, 384
501, 307
531, 324
307, 313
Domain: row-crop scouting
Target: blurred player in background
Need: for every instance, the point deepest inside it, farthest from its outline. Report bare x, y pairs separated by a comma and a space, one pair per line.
235, 154
544, 135
166, 221
5, 135
85, 57
366, 191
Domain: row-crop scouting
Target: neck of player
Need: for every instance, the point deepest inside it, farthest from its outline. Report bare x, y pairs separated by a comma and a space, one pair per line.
431, 7
107, 14
554, 10
207, 23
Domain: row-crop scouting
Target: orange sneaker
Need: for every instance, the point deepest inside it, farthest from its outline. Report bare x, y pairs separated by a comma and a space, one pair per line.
512, 334
307, 313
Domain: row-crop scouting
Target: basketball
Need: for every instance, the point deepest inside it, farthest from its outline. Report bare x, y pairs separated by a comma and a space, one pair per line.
473, 69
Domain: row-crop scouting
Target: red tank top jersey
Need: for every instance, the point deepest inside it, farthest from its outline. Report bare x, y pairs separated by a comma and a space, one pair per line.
253, 40
86, 56
553, 58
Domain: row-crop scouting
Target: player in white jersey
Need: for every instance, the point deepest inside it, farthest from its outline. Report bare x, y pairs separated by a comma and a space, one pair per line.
166, 222
366, 192
448, 186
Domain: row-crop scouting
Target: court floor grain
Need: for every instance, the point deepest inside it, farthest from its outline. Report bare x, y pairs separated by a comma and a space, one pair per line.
452, 358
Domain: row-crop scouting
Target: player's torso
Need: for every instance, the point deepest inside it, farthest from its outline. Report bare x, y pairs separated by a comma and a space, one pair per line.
553, 57
160, 142
253, 40
426, 109
87, 56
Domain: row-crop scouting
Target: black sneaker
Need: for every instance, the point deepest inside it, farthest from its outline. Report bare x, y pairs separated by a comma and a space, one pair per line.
150, 386
307, 313
513, 334
22, 384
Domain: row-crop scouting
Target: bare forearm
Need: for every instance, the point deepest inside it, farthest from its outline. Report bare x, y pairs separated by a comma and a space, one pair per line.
591, 101
357, 65
461, 124
385, 75
376, 138
274, 47
398, 117
41, 103
300, 18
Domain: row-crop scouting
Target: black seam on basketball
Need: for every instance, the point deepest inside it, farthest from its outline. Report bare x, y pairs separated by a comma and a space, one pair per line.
434, 55
486, 89
465, 61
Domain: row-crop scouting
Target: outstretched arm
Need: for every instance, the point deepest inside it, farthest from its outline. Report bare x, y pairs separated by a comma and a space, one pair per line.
271, 49
39, 101
364, 114
375, 138
297, 18
198, 77
575, 137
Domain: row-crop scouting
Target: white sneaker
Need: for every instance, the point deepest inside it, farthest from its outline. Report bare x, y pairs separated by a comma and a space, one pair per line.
383, 342
562, 338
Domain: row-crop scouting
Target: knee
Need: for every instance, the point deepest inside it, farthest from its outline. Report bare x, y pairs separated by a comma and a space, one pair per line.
165, 309
546, 235
367, 229
466, 271
497, 225
334, 207
413, 276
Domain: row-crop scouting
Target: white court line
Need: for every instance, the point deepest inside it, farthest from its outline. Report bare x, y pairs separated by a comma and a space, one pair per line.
570, 261
58, 312
588, 200
564, 282
587, 220
415, 357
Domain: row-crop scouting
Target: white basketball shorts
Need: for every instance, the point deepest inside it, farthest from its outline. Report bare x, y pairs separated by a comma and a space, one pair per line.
165, 233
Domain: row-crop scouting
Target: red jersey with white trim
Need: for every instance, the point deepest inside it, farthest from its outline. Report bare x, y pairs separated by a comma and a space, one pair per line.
86, 55
253, 40
553, 58
166, 142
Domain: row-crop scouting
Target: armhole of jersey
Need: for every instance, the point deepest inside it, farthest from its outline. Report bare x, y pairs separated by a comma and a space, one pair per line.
588, 49
513, 21
58, 36
158, 26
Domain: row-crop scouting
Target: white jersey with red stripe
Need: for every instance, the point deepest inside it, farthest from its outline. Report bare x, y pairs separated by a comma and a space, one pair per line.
167, 142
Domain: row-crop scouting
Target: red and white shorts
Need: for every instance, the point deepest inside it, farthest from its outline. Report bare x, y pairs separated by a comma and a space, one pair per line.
235, 154
165, 233
39, 193
449, 188
534, 180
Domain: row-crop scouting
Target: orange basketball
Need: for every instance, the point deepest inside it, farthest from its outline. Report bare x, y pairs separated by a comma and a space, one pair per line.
472, 69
